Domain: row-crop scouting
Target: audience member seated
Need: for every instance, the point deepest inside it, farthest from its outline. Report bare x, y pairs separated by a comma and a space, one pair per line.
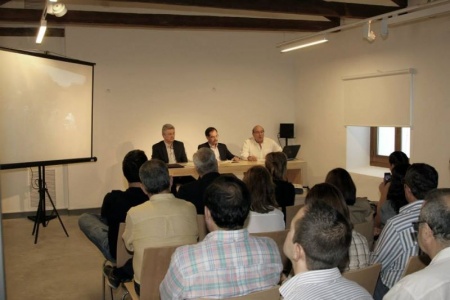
360, 209
358, 254
162, 221
206, 165
395, 198
433, 282
103, 229
397, 241
220, 150
264, 215
257, 147
276, 163
228, 262
395, 158
318, 241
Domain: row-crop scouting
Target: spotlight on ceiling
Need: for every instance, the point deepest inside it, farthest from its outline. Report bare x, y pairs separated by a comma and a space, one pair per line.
57, 9
368, 34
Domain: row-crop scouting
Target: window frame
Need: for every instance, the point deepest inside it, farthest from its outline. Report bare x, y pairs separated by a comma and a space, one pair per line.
382, 160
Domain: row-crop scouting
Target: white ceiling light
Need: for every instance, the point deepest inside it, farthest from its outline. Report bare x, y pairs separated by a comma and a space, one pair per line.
57, 9
303, 43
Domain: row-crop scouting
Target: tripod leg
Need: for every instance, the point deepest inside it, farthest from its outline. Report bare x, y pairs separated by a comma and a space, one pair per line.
56, 212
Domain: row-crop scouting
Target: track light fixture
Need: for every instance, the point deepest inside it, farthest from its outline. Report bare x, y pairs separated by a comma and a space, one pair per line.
368, 34
56, 9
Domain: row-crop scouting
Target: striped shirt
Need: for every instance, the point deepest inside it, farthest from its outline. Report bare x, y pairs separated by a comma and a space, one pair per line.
358, 252
225, 264
322, 284
397, 243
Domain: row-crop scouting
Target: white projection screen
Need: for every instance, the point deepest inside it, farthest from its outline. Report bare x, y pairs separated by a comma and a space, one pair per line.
46, 115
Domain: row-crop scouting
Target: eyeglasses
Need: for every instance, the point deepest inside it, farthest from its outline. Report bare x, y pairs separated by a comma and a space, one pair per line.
416, 224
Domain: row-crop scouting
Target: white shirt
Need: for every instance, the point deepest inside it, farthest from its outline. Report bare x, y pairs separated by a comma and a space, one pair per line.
433, 282
322, 284
271, 221
252, 148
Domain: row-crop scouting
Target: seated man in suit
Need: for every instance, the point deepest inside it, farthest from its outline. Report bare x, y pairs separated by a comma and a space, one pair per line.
169, 150
317, 242
206, 165
433, 225
220, 150
228, 262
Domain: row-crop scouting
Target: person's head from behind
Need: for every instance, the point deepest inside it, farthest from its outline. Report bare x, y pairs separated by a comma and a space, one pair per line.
131, 164
262, 189
419, 179
330, 195
319, 238
434, 222
212, 136
276, 163
396, 191
155, 177
227, 203
205, 161
168, 133
258, 134
397, 158
343, 181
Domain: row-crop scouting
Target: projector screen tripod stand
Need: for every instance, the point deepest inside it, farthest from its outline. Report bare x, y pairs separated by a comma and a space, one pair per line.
41, 217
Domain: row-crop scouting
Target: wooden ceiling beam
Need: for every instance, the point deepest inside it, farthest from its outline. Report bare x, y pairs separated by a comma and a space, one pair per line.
164, 21
31, 31
298, 7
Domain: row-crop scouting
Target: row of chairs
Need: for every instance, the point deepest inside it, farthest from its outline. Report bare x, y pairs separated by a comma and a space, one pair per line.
153, 273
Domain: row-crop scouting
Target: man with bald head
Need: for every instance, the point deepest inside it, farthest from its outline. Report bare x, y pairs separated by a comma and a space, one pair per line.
257, 147
433, 228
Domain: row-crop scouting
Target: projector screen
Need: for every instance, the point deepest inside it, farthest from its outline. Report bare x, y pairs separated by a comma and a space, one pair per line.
45, 110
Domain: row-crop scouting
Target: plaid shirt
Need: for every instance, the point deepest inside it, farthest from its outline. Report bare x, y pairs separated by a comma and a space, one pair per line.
225, 264
358, 252
397, 243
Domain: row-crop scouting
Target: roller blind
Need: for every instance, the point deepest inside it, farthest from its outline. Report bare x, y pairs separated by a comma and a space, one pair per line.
380, 99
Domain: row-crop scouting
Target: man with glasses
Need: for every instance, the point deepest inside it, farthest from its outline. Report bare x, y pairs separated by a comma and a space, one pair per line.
433, 227
257, 147
396, 242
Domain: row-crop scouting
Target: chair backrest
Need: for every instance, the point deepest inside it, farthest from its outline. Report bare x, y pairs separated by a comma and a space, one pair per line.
269, 294
366, 229
366, 277
291, 211
202, 229
278, 237
155, 264
122, 253
416, 263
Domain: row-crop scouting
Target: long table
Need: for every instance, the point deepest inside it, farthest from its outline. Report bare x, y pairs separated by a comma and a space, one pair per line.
296, 172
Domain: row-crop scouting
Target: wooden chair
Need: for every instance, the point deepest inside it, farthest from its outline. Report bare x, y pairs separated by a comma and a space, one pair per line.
366, 277
122, 256
291, 211
269, 294
416, 263
155, 264
279, 237
366, 229
202, 229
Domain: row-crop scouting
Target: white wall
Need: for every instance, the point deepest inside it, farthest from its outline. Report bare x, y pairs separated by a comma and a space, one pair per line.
145, 78
320, 103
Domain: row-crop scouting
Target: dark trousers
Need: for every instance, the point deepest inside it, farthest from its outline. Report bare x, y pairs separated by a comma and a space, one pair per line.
380, 290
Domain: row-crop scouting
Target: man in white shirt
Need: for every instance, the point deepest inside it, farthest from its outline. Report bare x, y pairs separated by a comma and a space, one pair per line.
433, 282
318, 240
256, 147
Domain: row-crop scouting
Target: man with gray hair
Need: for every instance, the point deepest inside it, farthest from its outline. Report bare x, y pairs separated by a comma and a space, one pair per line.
206, 165
169, 150
161, 221
432, 282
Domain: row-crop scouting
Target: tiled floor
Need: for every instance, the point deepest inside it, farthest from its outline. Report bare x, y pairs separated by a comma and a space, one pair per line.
57, 267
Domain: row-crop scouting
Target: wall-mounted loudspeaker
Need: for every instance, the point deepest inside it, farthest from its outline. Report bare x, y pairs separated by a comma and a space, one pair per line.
287, 131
